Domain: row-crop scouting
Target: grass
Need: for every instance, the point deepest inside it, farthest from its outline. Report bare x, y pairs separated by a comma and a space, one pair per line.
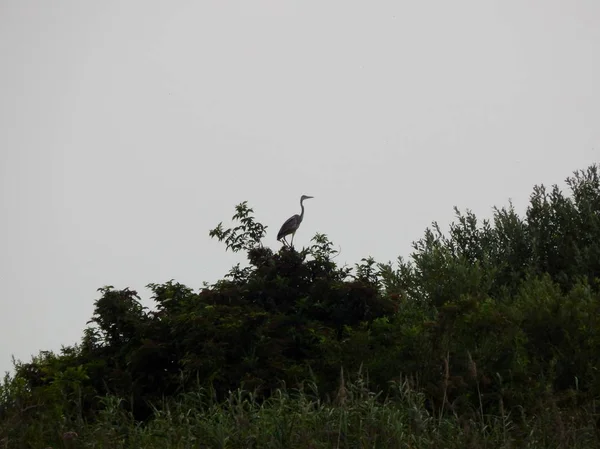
354, 418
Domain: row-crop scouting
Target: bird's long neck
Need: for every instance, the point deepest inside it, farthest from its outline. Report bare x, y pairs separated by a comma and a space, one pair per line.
302, 206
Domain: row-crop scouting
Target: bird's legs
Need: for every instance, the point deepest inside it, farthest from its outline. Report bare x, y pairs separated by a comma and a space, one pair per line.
286, 243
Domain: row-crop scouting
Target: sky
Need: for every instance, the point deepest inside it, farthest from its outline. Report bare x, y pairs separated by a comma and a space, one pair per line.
129, 129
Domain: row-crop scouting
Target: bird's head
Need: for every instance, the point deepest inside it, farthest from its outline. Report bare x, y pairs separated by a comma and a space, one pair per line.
305, 197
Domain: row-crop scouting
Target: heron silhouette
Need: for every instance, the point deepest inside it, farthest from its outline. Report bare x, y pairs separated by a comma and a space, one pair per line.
292, 224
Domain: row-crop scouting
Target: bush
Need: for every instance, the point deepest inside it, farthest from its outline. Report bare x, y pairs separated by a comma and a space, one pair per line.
495, 318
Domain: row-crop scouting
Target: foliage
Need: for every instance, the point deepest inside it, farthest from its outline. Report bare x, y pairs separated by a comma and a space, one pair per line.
494, 326
300, 419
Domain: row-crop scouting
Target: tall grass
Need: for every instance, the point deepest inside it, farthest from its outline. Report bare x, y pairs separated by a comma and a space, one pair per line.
354, 418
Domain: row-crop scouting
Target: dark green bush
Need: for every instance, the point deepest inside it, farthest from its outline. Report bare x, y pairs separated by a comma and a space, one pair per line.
494, 317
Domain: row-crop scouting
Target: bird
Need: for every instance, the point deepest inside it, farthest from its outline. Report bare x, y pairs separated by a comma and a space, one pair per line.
292, 224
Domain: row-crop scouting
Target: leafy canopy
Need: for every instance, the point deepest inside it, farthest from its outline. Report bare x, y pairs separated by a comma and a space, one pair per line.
500, 311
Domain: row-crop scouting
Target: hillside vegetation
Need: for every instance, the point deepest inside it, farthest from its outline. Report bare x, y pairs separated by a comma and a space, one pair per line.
487, 336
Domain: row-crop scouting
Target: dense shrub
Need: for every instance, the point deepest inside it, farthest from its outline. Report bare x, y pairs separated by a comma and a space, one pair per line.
494, 317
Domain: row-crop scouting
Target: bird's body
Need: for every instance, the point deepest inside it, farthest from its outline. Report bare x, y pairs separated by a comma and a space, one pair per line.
292, 224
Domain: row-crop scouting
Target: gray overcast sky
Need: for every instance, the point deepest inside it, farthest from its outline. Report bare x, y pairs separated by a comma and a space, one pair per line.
128, 129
